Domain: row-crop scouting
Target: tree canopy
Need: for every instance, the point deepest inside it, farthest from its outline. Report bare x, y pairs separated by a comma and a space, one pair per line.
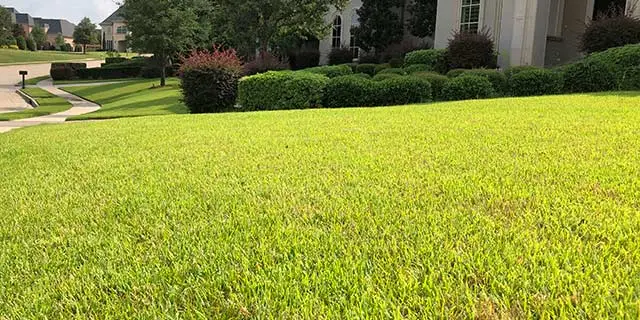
380, 25
5, 25
39, 36
84, 33
423, 19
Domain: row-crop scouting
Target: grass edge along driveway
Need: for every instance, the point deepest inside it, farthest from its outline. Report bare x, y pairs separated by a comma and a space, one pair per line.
48, 104
506, 208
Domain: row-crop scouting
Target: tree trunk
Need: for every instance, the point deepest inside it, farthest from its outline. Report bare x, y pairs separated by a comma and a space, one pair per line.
84, 49
163, 72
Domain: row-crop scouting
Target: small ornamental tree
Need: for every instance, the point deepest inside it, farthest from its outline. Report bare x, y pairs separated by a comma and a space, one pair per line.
84, 34
209, 80
471, 50
59, 41
39, 36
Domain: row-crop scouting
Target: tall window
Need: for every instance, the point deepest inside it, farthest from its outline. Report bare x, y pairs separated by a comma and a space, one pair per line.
336, 41
353, 42
470, 19
121, 30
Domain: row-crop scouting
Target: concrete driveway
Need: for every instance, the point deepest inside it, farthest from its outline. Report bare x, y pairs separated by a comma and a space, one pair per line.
11, 101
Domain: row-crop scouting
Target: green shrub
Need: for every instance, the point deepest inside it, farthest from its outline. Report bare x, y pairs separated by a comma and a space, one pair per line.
467, 87
517, 69
353, 66
417, 68
456, 73
396, 62
437, 82
67, 48
397, 71
367, 68
385, 76
610, 32
620, 59
382, 66
498, 79
471, 50
631, 79
432, 58
31, 44
331, 71
589, 76
535, 82
340, 56
21, 42
262, 91
403, 90
361, 75
65, 70
209, 80
303, 90
348, 92
112, 60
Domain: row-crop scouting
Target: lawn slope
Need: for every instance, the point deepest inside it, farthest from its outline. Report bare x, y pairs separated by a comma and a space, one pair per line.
509, 208
49, 104
8, 56
131, 99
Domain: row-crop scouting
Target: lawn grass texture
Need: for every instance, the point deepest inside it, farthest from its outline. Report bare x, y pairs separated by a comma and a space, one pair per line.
8, 56
48, 104
522, 208
131, 99
34, 81
63, 82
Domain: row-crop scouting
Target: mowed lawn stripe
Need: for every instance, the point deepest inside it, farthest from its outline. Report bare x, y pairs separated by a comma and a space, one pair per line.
131, 99
521, 208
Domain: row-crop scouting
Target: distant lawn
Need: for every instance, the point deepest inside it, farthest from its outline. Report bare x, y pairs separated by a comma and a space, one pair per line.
131, 99
495, 209
63, 82
34, 81
21, 56
49, 104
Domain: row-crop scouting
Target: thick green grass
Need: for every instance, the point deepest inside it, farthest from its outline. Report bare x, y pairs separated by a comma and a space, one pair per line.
131, 99
521, 208
49, 104
34, 81
63, 82
8, 56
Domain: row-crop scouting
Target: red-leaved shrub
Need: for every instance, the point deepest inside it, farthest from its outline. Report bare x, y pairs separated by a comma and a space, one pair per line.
209, 79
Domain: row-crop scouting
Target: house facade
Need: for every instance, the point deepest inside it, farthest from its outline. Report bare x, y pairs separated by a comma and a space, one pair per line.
52, 27
114, 32
526, 32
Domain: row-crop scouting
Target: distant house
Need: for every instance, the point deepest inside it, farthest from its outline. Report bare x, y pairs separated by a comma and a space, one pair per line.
52, 27
114, 32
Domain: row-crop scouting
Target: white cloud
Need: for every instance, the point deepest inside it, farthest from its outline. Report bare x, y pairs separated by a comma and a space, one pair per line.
72, 10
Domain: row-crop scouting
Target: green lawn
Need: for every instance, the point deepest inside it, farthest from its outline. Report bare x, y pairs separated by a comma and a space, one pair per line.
8, 56
63, 82
131, 99
34, 81
509, 208
49, 104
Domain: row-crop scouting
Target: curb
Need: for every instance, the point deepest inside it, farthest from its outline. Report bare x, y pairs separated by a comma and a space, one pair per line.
28, 99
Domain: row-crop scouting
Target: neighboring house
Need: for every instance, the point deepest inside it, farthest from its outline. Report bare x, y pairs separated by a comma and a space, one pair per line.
52, 27
526, 32
114, 32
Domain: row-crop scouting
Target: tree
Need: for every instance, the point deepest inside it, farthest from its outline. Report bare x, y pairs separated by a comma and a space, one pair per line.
18, 31
38, 35
380, 25
267, 21
5, 25
162, 27
84, 33
423, 20
59, 41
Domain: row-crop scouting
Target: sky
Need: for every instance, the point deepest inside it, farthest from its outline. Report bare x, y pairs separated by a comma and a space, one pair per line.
72, 10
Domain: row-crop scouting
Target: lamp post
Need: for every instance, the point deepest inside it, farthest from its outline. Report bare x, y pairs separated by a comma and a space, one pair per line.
23, 74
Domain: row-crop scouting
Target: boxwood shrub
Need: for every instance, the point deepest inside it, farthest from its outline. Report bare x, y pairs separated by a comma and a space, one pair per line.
631, 79
385, 76
432, 58
417, 68
277, 90
302, 91
331, 71
368, 68
382, 66
589, 76
397, 71
403, 90
349, 91
517, 69
497, 79
437, 82
456, 72
535, 82
619, 59
467, 87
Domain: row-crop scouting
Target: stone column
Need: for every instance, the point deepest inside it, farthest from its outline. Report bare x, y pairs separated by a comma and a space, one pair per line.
529, 37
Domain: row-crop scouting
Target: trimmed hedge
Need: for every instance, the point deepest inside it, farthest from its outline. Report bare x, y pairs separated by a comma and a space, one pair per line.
348, 92
209, 90
331, 71
497, 79
535, 82
368, 68
631, 80
277, 90
65, 70
467, 87
456, 72
417, 68
437, 82
589, 76
361, 75
403, 90
113, 60
517, 69
397, 71
385, 76
620, 59
382, 66
434, 59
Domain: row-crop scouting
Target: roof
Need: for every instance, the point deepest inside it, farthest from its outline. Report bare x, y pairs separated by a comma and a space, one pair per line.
117, 16
24, 18
56, 26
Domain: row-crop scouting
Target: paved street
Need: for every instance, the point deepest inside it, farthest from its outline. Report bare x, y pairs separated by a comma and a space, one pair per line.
9, 100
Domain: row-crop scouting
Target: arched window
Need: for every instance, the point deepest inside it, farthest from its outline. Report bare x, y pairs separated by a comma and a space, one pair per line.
336, 40
353, 42
470, 19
